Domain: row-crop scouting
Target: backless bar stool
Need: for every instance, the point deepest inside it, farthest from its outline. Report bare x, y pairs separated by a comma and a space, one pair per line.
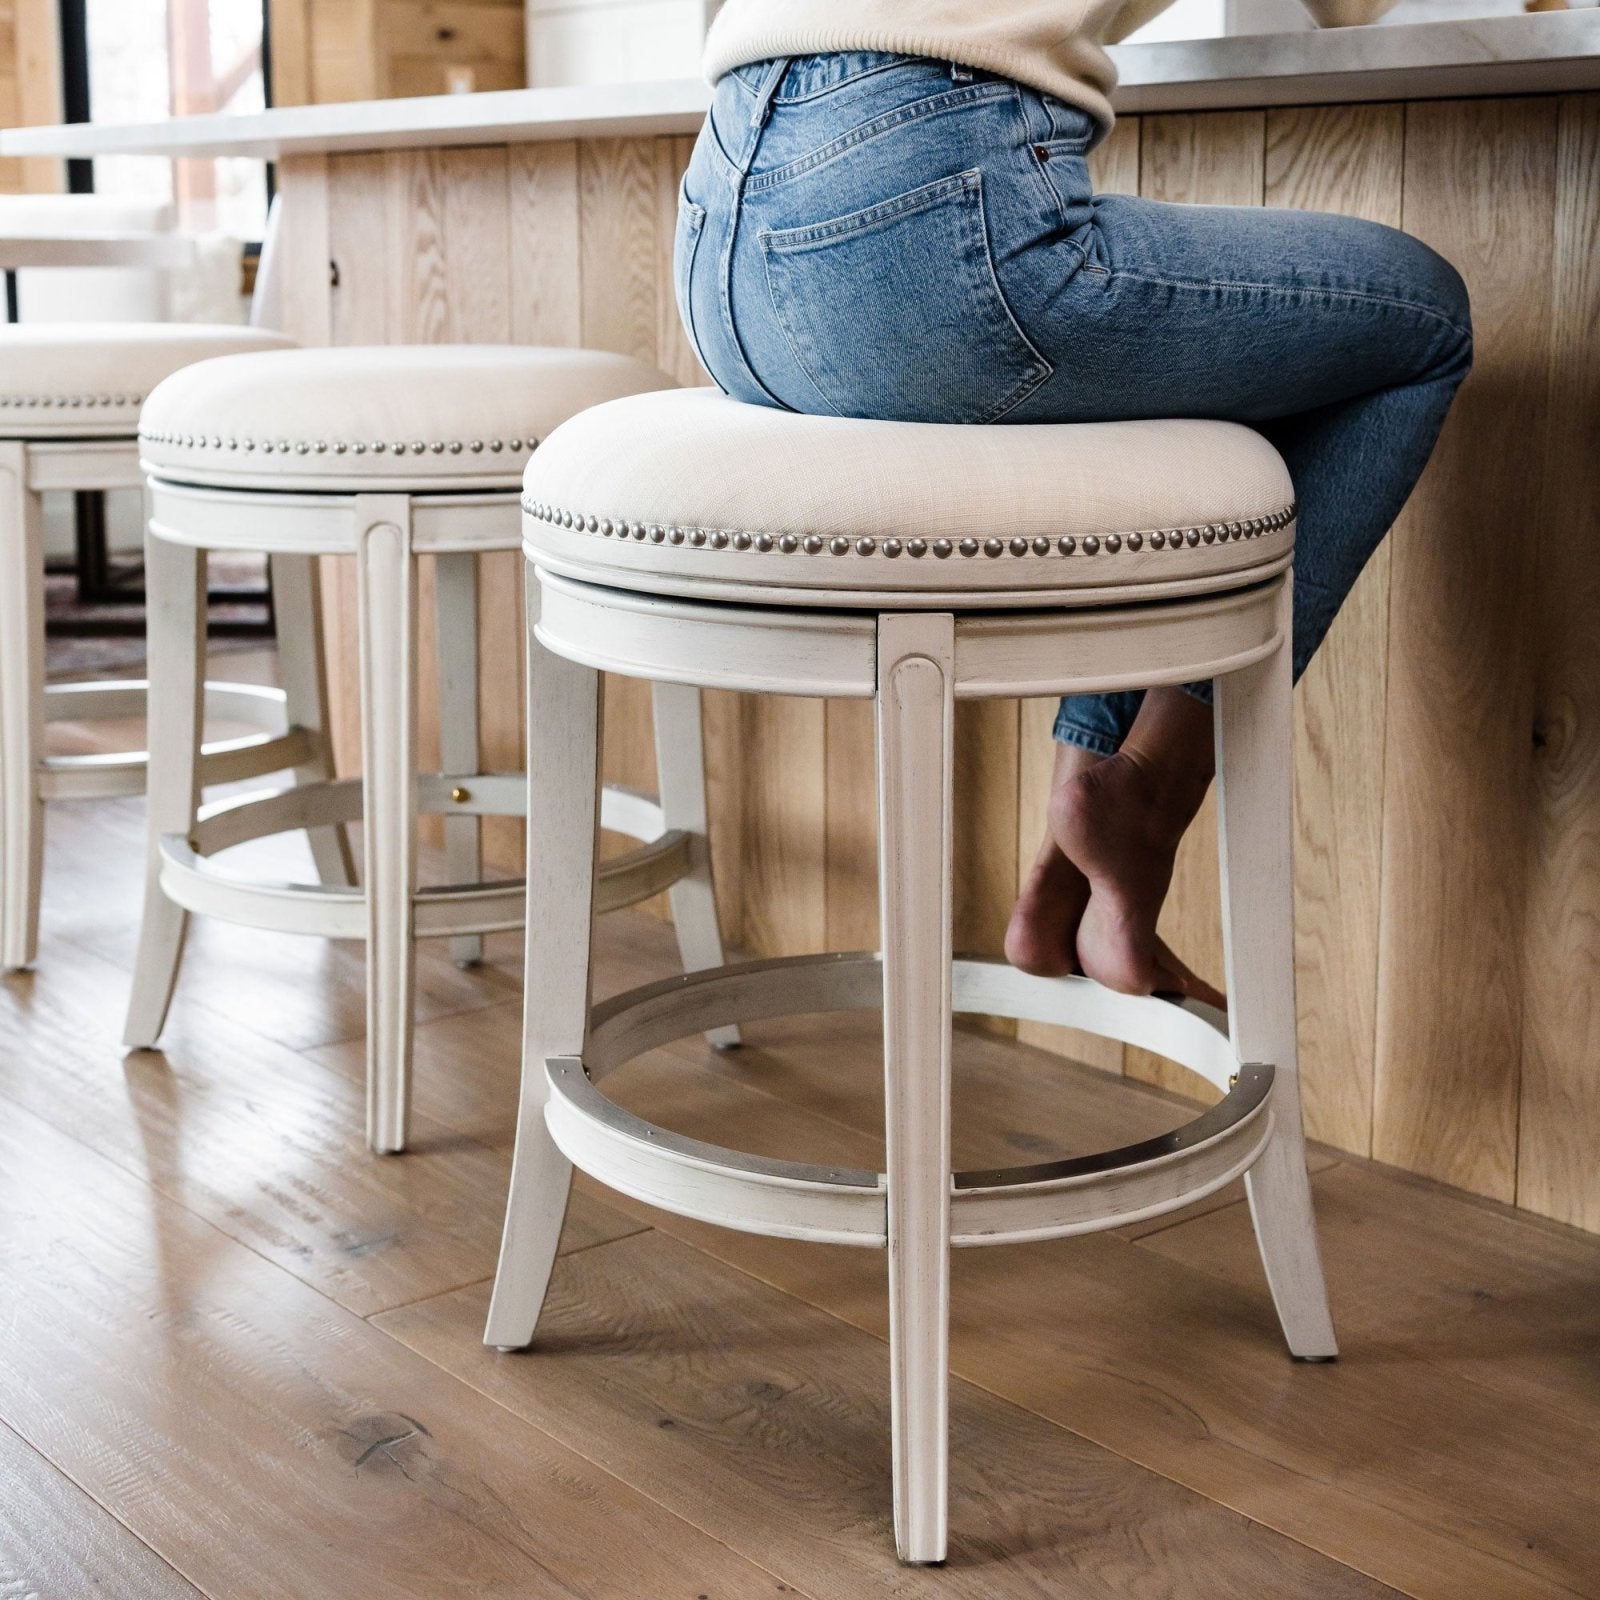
686, 538
383, 454
69, 411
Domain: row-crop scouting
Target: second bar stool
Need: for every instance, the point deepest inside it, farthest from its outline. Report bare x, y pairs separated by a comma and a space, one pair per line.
382, 454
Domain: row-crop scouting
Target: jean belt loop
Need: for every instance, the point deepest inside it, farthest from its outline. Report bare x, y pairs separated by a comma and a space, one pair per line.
765, 95
959, 73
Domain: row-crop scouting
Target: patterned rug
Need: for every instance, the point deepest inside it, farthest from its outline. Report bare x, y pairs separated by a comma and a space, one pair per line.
236, 583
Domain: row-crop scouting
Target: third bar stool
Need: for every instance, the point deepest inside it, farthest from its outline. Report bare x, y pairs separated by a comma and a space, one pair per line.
384, 455
689, 539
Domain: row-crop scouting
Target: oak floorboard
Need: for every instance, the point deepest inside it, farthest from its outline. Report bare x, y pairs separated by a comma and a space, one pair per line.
767, 1424
1484, 1293
1385, 1461
56, 1543
266, 1442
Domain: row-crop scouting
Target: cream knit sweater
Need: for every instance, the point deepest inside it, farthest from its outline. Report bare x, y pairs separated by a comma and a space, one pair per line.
1054, 45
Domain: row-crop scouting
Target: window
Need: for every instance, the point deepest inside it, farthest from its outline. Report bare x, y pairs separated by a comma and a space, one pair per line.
142, 60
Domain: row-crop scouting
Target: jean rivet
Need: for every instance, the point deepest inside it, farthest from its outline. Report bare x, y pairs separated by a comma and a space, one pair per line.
1042, 151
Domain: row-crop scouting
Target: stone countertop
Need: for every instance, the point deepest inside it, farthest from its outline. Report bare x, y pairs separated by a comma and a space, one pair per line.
1542, 53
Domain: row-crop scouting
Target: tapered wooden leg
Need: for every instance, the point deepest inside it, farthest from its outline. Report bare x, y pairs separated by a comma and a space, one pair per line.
21, 709
387, 603
302, 669
175, 605
564, 717
1254, 751
457, 591
915, 717
681, 774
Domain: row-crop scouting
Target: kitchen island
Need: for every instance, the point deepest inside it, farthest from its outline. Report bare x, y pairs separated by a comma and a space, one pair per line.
1448, 743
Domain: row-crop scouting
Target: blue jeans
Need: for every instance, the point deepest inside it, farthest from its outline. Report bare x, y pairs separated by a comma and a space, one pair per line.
883, 236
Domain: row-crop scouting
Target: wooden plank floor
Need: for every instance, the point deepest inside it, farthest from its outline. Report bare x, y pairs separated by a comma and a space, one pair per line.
240, 1357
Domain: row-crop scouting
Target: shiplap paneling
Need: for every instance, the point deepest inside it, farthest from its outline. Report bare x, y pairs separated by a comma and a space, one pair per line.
1465, 970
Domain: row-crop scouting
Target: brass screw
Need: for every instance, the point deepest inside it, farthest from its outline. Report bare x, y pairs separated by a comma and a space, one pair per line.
460, 795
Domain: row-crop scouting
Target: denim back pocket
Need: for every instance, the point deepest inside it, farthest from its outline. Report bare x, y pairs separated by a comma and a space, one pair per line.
895, 311
685, 247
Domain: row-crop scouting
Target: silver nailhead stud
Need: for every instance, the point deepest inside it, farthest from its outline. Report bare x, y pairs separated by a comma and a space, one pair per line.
494, 444
1193, 537
1019, 547
891, 547
455, 447
741, 541
676, 535
1041, 546
719, 540
1113, 542
605, 526
763, 542
697, 537
476, 447
865, 547
1136, 541
788, 544
1158, 540
942, 548
968, 547
1091, 546
1067, 545
813, 545
917, 547
1209, 535
839, 545
657, 534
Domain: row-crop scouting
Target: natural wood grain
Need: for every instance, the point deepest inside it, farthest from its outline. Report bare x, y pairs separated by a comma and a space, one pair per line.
1346, 159
55, 1541
1558, 1127
1209, 158
767, 1425
1380, 1461
1480, 186
792, 803
851, 891
347, 1467
1114, 162
676, 354
985, 842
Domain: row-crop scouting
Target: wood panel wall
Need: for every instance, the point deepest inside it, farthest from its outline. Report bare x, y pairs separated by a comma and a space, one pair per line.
327, 50
30, 89
1447, 778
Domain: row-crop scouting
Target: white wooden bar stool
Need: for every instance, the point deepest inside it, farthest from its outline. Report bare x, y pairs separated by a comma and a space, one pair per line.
689, 539
383, 454
69, 411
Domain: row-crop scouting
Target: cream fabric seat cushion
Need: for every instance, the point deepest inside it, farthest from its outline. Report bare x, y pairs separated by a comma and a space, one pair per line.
417, 418
87, 380
691, 491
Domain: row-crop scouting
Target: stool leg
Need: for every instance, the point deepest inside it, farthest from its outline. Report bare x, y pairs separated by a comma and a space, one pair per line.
302, 669
387, 601
564, 719
175, 585
21, 709
457, 594
1254, 752
915, 712
681, 773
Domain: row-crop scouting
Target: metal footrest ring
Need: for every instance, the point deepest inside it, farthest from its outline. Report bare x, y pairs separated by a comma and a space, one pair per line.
273, 747
331, 911
788, 1199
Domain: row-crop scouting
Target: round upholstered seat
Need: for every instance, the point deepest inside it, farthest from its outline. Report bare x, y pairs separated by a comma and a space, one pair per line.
87, 380
692, 493
452, 417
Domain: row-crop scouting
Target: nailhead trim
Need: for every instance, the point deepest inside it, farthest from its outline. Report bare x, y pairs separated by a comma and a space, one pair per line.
46, 402
941, 549
340, 447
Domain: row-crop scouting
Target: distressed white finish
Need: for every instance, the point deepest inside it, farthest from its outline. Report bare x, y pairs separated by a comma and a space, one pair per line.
284, 736
384, 533
1254, 737
915, 664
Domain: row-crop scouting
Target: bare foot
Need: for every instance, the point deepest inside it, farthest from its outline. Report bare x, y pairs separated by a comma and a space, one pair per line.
1120, 825
1042, 937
